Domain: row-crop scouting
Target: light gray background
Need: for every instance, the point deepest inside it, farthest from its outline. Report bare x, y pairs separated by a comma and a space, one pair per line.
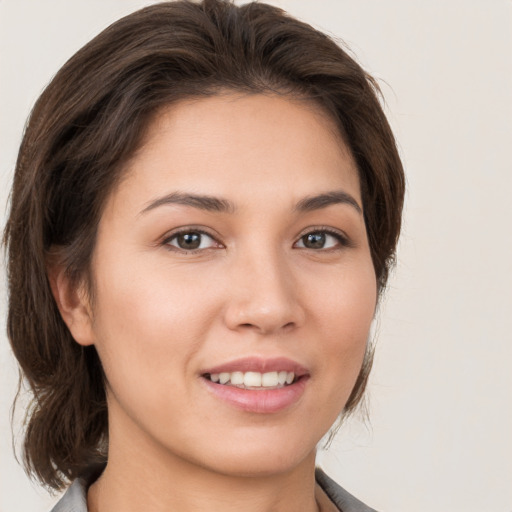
440, 436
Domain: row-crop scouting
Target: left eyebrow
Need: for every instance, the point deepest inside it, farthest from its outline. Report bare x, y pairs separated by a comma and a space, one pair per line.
324, 200
202, 202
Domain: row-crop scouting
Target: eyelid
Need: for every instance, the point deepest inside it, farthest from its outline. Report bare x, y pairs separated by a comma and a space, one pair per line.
170, 235
341, 236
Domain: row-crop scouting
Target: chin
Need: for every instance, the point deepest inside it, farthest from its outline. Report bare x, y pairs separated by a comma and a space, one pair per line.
259, 457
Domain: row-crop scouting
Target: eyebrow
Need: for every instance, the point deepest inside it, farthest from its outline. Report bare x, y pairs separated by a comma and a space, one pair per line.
207, 203
324, 200
221, 205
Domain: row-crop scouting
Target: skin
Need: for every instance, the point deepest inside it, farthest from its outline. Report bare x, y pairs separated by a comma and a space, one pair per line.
254, 288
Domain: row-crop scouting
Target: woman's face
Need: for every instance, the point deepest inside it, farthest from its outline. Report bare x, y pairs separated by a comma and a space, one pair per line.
231, 258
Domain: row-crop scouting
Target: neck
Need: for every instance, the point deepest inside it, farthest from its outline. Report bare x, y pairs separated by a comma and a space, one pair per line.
147, 477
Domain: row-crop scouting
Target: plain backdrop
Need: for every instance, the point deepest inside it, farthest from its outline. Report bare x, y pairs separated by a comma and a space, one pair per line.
440, 430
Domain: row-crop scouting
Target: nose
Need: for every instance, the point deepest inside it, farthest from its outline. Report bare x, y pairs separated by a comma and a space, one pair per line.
263, 296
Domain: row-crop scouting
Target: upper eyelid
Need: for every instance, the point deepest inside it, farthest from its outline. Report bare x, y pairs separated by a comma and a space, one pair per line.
323, 229
188, 229
344, 240
306, 231
166, 240
207, 231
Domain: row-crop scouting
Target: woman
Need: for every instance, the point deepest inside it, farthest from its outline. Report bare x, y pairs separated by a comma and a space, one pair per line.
206, 205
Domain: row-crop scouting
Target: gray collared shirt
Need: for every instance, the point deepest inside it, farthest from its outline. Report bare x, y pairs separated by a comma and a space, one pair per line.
75, 498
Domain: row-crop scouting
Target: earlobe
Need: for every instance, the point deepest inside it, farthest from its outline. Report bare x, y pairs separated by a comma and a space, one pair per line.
74, 305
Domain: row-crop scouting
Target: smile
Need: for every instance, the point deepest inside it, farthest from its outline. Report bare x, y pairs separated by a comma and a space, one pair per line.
253, 380
257, 385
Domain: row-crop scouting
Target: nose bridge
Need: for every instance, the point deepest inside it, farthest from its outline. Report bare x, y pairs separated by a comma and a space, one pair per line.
264, 294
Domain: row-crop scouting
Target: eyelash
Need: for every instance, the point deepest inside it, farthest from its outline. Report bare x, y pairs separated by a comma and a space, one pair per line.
342, 239
190, 230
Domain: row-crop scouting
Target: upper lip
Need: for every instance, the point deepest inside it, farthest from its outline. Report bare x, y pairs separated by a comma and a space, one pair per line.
258, 364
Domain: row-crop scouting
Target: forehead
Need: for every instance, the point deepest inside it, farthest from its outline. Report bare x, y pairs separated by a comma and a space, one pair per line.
248, 143
233, 107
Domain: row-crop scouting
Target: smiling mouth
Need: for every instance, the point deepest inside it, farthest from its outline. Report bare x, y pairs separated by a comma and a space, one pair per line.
253, 380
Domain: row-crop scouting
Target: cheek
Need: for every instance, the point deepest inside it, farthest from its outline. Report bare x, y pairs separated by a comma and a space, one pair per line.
147, 297
344, 311
146, 324
346, 299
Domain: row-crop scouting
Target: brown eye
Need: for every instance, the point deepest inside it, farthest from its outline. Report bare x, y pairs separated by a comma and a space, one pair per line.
314, 240
320, 240
191, 241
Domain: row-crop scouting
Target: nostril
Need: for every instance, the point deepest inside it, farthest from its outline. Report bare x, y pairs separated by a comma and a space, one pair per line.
286, 327
263, 315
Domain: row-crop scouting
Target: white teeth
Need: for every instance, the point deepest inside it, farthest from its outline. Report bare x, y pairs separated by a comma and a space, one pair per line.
254, 379
269, 380
237, 378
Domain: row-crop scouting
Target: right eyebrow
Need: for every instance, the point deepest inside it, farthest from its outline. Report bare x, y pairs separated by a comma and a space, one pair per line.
202, 202
320, 201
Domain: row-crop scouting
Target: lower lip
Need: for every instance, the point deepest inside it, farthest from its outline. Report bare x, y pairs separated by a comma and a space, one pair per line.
263, 401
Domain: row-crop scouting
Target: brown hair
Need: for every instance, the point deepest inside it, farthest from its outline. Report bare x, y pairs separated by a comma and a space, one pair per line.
90, 120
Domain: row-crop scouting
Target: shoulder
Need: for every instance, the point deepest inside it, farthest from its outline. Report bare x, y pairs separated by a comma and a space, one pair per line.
74, 499
339, 496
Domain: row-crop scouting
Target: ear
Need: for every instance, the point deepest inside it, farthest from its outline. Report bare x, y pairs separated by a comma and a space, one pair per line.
73, 303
